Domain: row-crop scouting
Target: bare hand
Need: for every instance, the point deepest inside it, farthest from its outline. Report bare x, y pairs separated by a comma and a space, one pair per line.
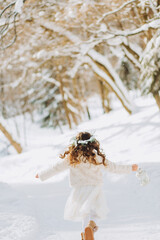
134, 167
36, 176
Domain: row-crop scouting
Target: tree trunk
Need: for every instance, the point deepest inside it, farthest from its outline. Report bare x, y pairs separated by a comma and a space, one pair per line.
16, 145
158, 4
88, 113
64, 103
105, 64
104, 97
105, 77
157, 98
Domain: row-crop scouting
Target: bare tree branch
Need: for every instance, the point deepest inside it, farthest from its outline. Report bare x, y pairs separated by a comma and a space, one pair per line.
10, 5
15, 34
10, 20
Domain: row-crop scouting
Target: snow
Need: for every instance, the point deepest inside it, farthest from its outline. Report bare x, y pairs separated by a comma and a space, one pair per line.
18, 6
30, 209
72, 109
114, 11
132, 58
136, 48
109, 82
103, 27
150, 64
104, 61
143, 3
73, 38
155, 24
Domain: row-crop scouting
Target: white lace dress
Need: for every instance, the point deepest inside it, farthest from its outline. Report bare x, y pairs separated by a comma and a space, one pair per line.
86, 181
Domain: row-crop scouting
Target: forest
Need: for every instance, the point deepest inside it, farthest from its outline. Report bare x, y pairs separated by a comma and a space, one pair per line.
55, 55
69, 66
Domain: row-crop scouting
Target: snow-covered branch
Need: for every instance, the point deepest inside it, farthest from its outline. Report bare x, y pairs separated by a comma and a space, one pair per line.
9, 21
155, 24
108, 81
116, 10
105, 62
18, 6
95, 56
66, 46
131, 57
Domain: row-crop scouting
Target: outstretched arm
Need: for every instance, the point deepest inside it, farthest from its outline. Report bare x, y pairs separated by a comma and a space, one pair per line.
121, 169
61, 166
115, 168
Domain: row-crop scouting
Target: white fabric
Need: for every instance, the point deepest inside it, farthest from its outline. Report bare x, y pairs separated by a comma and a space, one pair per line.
86, 181
83, 200
87, 219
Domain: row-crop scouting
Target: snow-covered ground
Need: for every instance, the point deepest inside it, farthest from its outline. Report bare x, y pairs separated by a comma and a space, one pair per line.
30, 209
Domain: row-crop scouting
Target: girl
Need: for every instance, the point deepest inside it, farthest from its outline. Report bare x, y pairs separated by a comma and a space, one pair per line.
85, 161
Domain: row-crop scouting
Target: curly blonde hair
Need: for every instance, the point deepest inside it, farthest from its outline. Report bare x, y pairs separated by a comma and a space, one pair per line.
83, 148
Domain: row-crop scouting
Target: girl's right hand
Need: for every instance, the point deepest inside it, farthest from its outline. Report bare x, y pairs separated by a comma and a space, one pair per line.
37, 176
134, 167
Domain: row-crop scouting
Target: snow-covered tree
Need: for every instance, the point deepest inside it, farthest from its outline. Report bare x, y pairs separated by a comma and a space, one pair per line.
150, 72
62, 46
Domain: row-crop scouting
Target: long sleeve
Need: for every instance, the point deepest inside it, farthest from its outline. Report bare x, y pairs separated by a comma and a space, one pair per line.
115, 168
61, 166
120, 169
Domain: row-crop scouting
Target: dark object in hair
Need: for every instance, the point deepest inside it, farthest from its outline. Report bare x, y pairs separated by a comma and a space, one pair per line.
84, 152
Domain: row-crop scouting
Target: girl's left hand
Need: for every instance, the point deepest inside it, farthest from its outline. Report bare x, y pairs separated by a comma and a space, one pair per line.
134, 167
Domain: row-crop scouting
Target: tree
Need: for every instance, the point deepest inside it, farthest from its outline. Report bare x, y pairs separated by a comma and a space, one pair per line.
150, 73
16, 145
78, 43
